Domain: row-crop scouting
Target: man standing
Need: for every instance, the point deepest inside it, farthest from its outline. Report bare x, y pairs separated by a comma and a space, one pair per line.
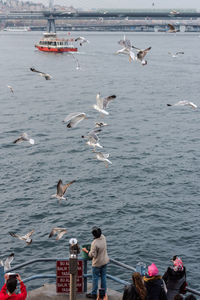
100, 259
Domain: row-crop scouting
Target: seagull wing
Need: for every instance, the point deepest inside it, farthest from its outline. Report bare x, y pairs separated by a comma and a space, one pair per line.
26, 236
53, 231
180, 52
76, 119
19, 140
61, 233
107, 100
99, 101
34, 70
67, 185
70, 116
171, 27
8, 261
60, 188
16, 235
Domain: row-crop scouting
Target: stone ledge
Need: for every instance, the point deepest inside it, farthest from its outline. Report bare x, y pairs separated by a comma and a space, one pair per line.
48, 292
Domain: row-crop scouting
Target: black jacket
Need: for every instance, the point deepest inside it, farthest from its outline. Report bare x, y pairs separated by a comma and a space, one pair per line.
155, 288
130, 293
175, 282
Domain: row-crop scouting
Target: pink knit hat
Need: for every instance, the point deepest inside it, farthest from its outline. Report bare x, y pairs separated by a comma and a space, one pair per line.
152, 270
178, 264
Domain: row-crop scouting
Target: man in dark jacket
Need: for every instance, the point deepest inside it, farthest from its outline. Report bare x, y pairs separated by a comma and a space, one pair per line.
175, 278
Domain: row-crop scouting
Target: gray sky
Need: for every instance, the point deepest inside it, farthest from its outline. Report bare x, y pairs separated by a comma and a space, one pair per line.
85, 4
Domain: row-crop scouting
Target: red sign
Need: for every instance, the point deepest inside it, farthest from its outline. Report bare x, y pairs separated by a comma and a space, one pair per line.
63, 277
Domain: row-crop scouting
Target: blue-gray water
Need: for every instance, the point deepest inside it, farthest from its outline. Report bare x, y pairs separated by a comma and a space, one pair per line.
147, 201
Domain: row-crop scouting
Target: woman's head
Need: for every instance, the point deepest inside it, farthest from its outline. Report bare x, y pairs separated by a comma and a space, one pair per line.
11, 284
152, 270
139, 285
96, 231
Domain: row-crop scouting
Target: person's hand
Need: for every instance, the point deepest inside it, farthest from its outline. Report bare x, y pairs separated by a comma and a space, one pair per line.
85, 250
6, 276
19, 278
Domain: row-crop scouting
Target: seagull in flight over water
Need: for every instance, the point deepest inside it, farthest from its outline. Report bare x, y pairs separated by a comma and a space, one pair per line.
81, 40
184, 103
24, 137
61, 189
172, 29
175, 54
74, 118
141, 54
59, 231
102, 103
25, 237
7, 262
45, 75
93, 138
103, 157
11, 89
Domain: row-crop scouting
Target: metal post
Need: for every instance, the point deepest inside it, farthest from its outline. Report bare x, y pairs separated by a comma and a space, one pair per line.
85, 273
73, 266
1, 276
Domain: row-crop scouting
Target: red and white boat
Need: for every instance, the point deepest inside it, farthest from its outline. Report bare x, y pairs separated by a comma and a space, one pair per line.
51, 43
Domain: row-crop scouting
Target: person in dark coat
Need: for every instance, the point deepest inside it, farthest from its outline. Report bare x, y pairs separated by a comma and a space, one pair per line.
156, 289
137, 290
175, 278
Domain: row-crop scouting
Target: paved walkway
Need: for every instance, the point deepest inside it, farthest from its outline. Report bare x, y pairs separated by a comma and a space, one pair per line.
48, 292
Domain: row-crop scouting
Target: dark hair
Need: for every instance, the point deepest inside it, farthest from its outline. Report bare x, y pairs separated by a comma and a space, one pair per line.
190, 297
178, 297
139, 285
11, 284
96, 231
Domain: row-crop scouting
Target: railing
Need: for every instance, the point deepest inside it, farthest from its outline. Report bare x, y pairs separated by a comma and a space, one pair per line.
86, 275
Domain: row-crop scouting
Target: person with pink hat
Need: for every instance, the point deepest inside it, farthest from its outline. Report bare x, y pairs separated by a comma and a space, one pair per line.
175, 278
156, 289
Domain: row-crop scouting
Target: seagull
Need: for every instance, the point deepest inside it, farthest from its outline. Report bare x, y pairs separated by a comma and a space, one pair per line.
184, 103
11, 89
103, 157
175, 54
25, 237
174, 12
102, 103
45, 75
93, 138
141, 54
171, 29
100, 124
127, 51
81, 40
7, 262
24, 137
74, 118
77, 62
59, 231
125, 43
61, 189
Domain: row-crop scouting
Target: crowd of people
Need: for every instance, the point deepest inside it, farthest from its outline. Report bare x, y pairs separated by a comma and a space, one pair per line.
151, 286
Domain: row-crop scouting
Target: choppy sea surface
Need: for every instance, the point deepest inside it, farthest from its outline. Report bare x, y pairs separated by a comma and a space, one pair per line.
147, 202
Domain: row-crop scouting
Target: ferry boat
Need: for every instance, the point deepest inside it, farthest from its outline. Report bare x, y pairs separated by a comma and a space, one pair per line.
17, 28
51, 43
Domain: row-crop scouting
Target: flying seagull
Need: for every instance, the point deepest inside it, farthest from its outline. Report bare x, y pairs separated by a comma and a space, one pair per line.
77, 62
100, 124
103, 157
102, 103
127, 51
24, 137
74, 118
45, 75
184, 103
81, 40
7, 262
59, 231
61, 189
171, 28
125, 43
11, 89
175, 54
93, 138
141, 54
25, 237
